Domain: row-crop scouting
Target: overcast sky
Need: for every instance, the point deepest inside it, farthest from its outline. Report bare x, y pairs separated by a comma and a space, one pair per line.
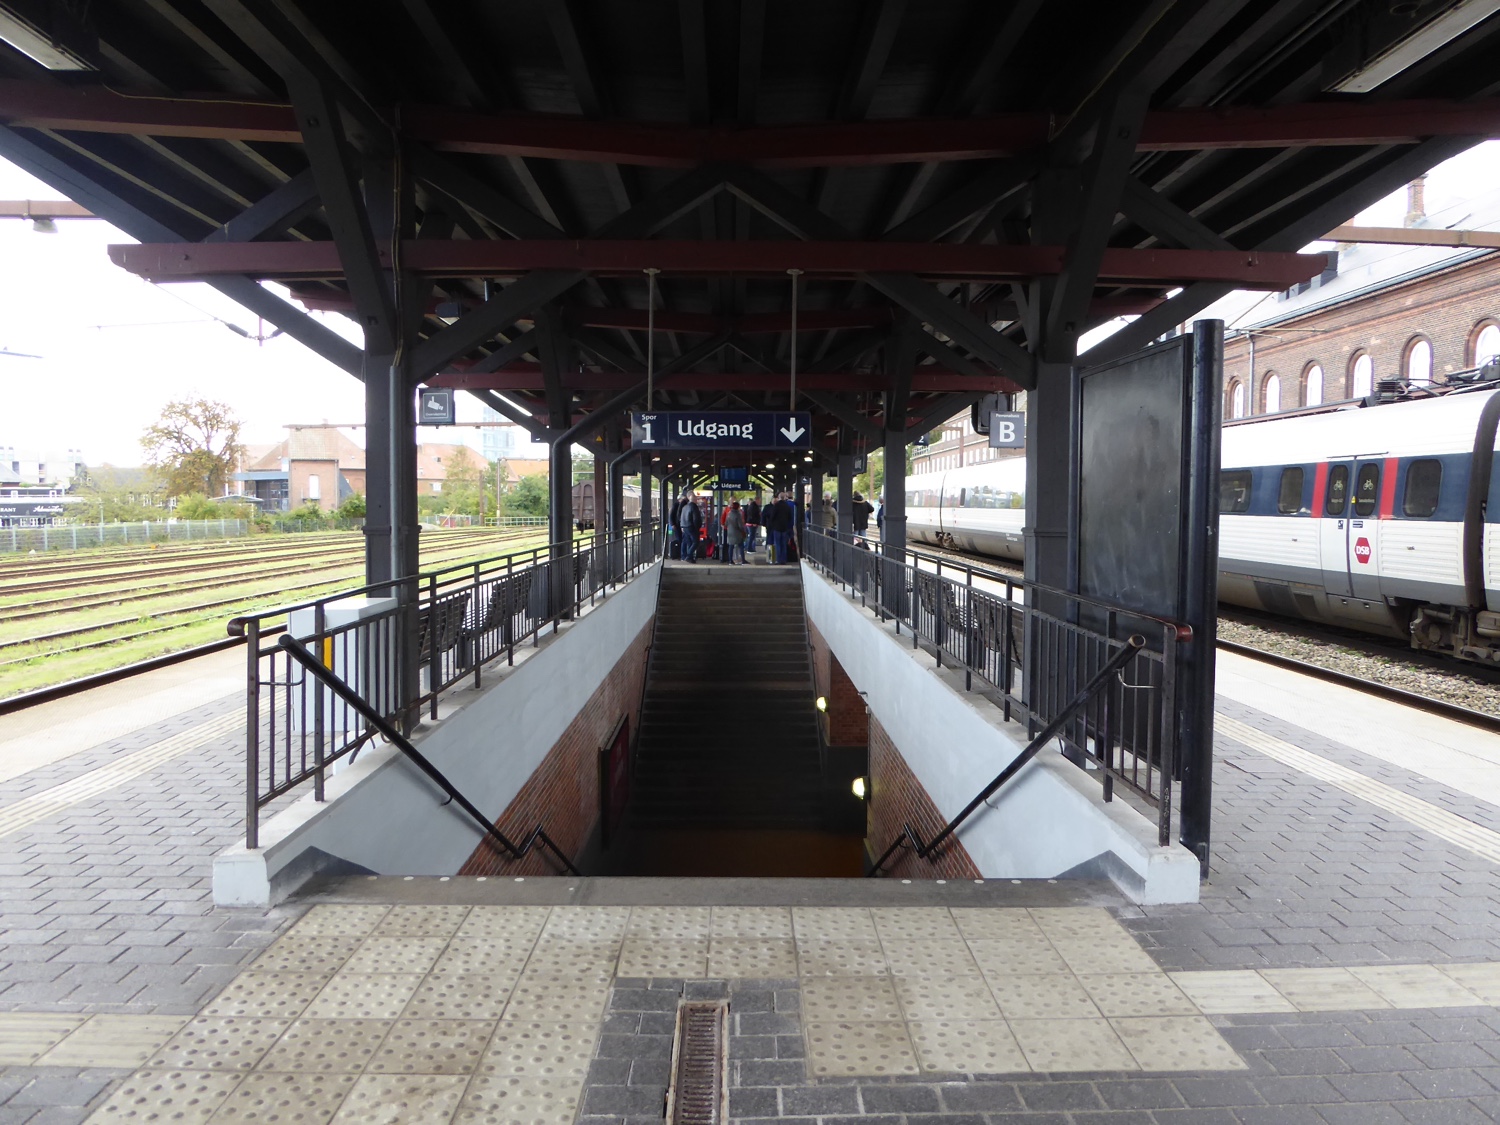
114, 348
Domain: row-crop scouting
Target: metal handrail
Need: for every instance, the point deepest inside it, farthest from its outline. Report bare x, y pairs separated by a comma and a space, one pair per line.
333, 683
908, 835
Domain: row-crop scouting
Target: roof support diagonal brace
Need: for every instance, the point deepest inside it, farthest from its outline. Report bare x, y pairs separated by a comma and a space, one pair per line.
273, 212
1167, 221
957, 323
845, 413
495, 315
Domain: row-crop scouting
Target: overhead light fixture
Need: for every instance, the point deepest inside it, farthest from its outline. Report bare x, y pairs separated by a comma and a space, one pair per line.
808, 457
44, 226
770, 464
37, 46
1418, 45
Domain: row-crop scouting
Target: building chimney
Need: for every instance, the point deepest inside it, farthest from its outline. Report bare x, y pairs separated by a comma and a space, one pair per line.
1416, 205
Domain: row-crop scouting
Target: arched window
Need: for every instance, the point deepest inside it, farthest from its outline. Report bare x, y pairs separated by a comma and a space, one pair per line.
1312, 386
1419, 362
1362, 375
1237, 400
1486, 344
1271, 394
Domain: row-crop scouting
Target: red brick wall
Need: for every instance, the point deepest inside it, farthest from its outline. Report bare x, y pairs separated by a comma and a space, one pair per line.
1446, 308
845, 722
897, 798
563, 794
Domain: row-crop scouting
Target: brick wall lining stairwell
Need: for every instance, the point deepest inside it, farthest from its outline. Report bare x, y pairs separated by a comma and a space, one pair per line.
562, 795
844, 723
897, 798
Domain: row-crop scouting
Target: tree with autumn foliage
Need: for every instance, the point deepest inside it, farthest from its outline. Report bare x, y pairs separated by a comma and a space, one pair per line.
193, 447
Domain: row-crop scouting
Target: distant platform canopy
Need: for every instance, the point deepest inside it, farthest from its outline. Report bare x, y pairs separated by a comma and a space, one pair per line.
910, 204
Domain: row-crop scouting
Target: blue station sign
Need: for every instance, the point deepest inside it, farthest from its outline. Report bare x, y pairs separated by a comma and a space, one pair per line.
721, 429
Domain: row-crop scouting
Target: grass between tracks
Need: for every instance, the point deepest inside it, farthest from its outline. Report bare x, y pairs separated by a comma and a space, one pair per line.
37, 664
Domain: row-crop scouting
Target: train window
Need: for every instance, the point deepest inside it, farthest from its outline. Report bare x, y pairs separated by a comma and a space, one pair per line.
1367, 490
1424, 479
1289, 496
1234, 491
914, 500
1338, 490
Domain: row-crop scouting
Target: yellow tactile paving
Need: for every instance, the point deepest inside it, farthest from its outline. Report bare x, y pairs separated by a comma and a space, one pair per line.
496, 1010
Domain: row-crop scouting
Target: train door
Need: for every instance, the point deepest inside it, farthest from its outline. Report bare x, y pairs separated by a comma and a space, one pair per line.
1333, 528
1364, 528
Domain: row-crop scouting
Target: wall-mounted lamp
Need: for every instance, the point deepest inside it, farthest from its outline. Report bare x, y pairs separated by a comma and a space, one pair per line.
861, 787
822, 703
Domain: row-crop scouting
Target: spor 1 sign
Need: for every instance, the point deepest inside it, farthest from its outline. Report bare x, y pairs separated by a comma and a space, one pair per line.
721, 429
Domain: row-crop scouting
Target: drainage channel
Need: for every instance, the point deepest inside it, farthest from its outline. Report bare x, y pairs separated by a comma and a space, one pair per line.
699, 1089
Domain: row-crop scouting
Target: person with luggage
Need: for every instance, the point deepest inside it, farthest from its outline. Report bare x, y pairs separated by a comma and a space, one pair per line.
734, 533
779, 525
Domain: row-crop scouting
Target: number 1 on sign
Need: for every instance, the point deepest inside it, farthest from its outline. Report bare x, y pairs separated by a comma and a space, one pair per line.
648, 439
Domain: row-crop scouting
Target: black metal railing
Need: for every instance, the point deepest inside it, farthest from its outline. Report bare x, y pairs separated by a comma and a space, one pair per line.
908, 838
397, 646
536, 840
1033, 646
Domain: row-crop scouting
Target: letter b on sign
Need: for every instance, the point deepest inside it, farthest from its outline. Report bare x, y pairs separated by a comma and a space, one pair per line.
1007, 430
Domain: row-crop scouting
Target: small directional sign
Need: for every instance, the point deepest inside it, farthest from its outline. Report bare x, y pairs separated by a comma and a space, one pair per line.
721, 429
1007, 429
435, 407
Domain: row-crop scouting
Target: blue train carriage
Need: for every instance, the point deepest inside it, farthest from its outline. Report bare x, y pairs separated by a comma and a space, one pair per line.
980, 508
1374, 518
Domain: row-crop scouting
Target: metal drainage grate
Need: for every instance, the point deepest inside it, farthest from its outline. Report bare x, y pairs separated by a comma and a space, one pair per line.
699, 1064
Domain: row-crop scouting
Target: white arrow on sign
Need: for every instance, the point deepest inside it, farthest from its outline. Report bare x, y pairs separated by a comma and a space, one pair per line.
793, 431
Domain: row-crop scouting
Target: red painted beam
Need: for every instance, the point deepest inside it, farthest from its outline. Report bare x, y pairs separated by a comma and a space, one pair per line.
817, 144
515, 379
514, 257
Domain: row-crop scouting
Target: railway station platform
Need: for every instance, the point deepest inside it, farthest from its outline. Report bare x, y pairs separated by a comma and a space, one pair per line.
1342, 962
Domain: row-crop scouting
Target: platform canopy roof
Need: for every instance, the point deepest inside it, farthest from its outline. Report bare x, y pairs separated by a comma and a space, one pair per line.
965, 185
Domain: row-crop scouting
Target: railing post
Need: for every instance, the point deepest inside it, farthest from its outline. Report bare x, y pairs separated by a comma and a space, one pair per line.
434, 653
324, 654
479, 619
252, 733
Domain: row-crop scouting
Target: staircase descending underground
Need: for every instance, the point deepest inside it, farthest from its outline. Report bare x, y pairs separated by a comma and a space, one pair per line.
728, 731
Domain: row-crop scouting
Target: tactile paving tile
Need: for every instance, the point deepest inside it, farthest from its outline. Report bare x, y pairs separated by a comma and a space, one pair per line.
929, 957
914, 923
752, 921
460, 996
514, 922
1069, 923
872, 1048
1043, 996
374, 996
967, 1047
567, 958
854, 957
1324, 990
307, 1099
850, 999
270, 995
326, 1046
433, 1047
220, 1043
494, 956
997, 957
396, 955
26, 1036
182, 1097
543, 1050
403, 1099
110, 1040
514, 1099
996, 923
1105, 955
955, 997
677, 922
422, 921
1416, 986
763, 958
1177, 1043
1137, 994
822, 923
332, 920
1482, 978
658, 957
1071, 1045
556, 999
586, 923
1231, 991
307, 953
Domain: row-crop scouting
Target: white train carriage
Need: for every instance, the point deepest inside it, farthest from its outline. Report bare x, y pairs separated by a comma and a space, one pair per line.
1377, 518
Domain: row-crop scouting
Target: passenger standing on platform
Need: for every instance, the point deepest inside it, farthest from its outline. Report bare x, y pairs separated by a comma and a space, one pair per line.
779, 524
734, 533
860, 512
673, 538
752, 522
690, 523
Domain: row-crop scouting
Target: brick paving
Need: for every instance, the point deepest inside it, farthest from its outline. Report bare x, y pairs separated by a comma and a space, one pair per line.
105, 908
